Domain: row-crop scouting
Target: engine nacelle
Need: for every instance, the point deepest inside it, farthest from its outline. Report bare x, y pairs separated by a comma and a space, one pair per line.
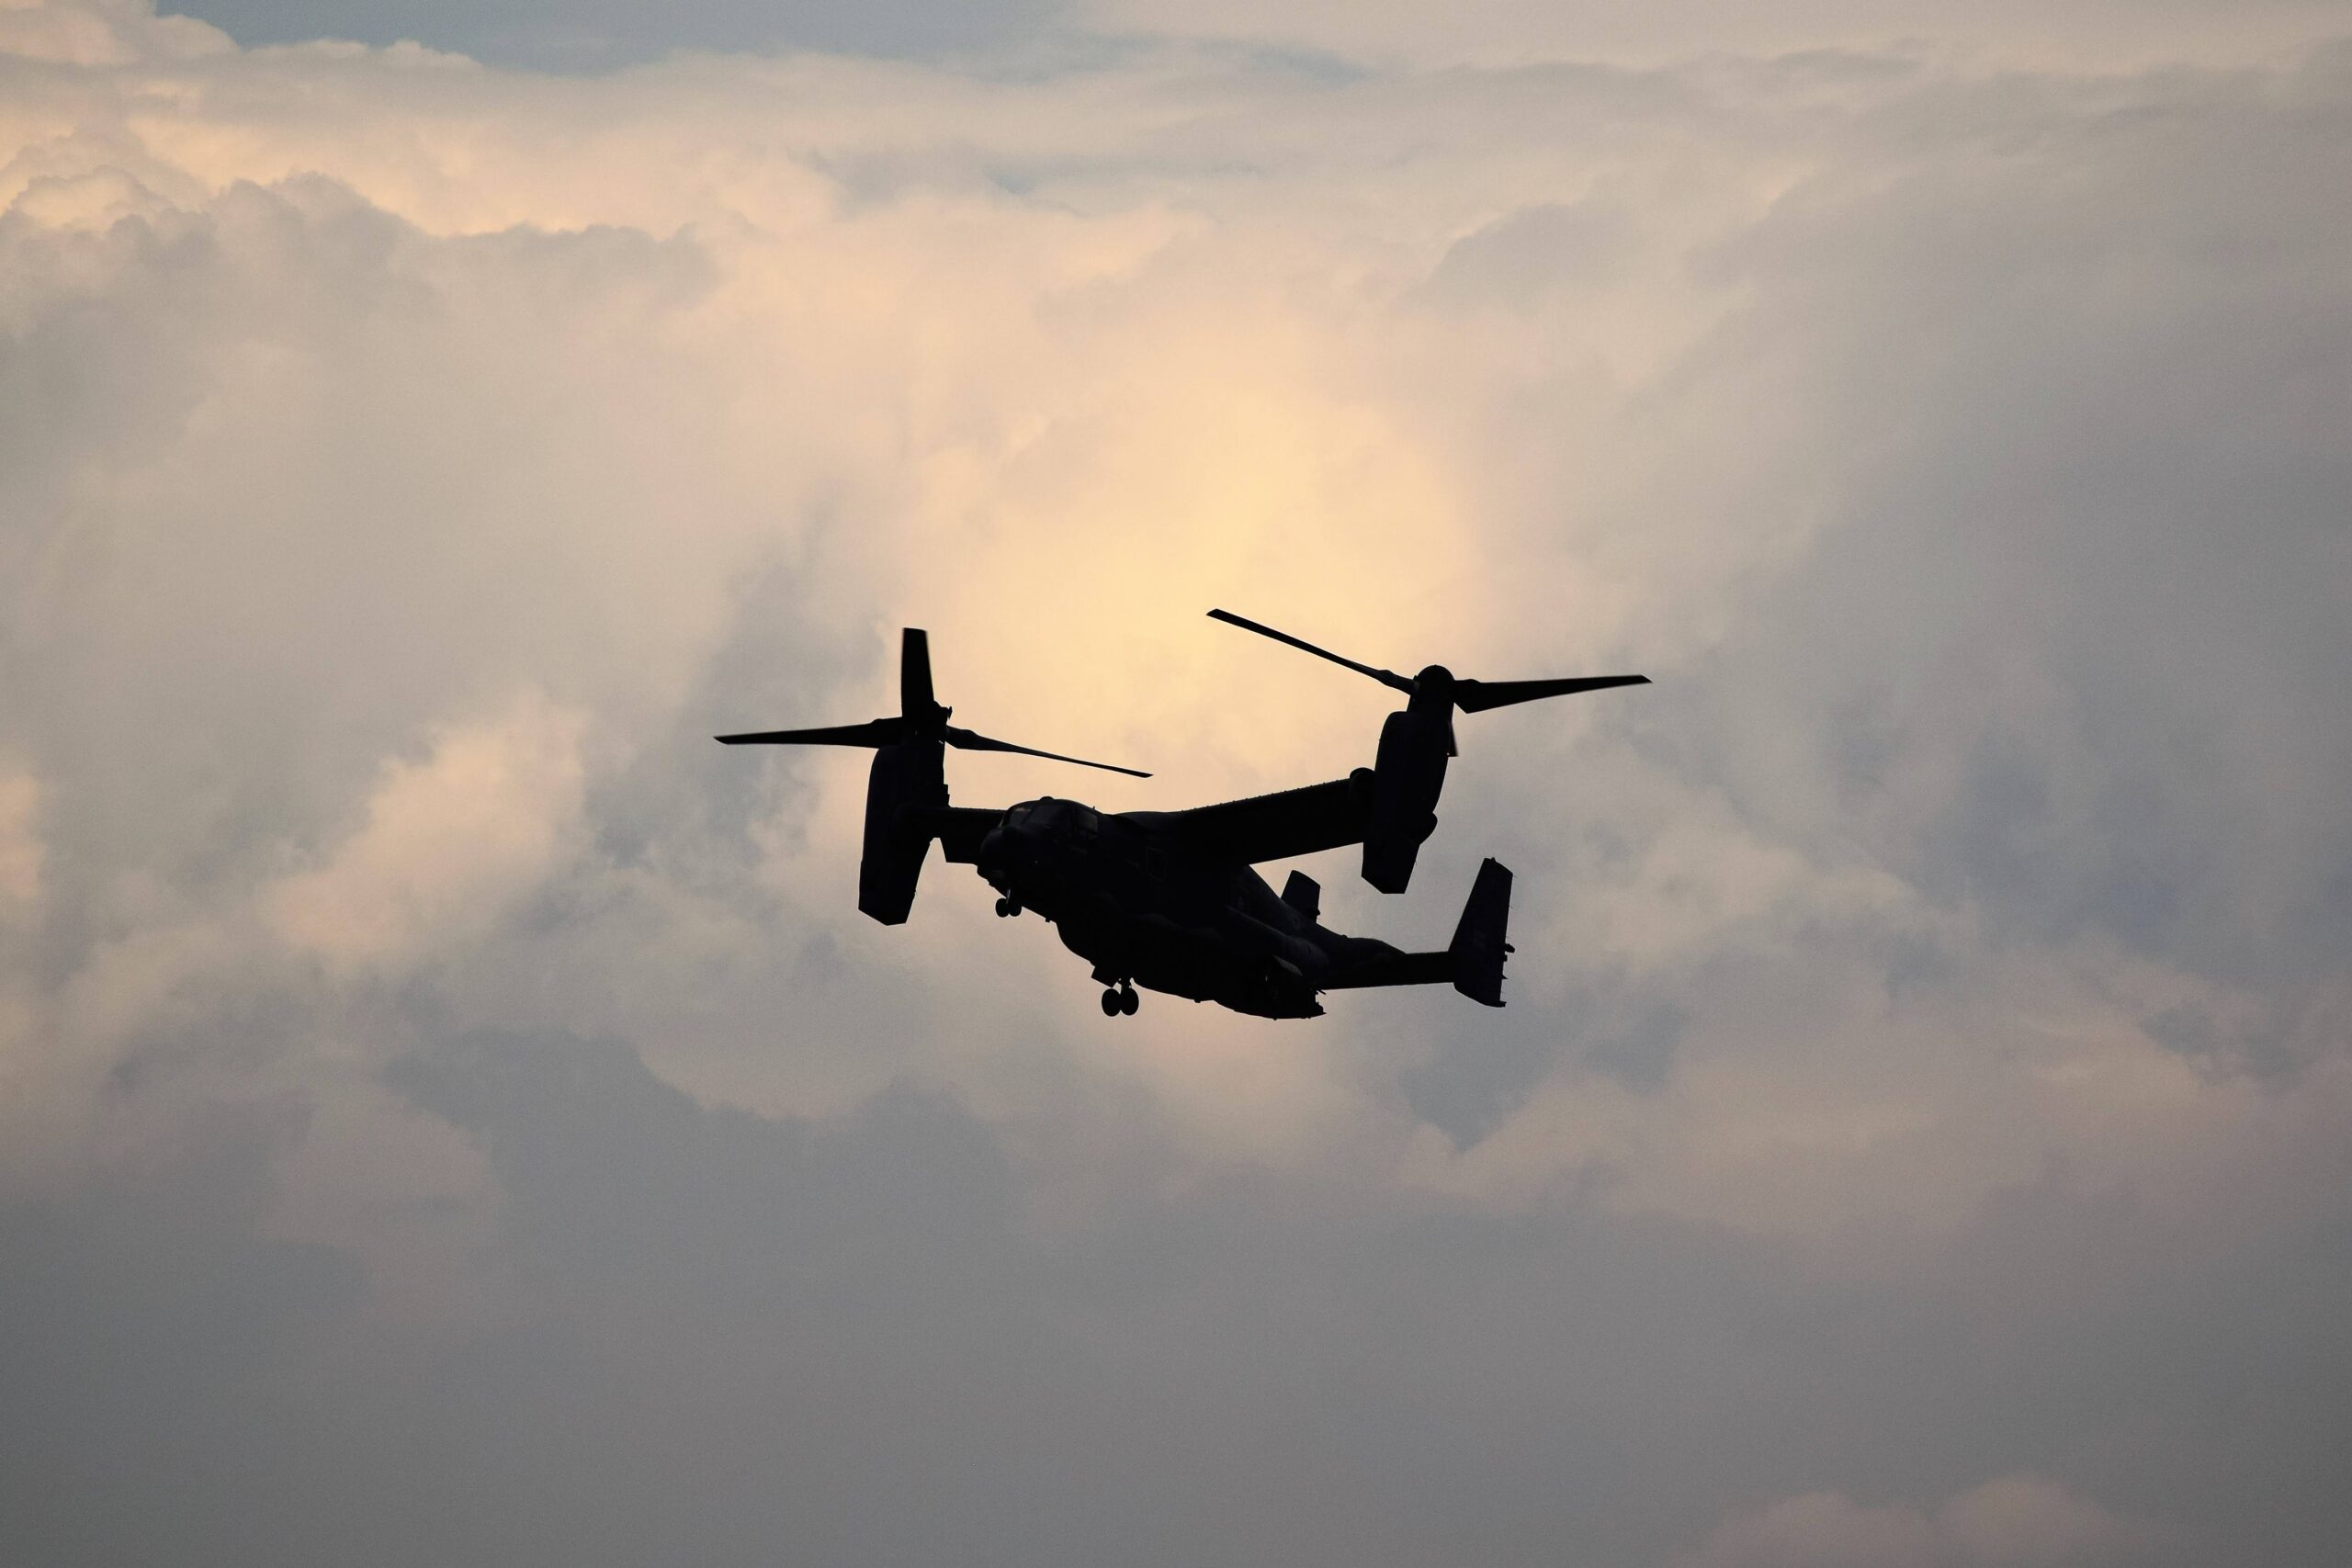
1406, 780
908, 783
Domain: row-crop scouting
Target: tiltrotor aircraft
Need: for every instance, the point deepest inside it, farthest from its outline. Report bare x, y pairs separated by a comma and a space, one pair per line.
1170, 900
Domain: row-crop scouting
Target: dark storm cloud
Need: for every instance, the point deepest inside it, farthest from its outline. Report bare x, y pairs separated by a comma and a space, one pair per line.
715, 1331
152, 1333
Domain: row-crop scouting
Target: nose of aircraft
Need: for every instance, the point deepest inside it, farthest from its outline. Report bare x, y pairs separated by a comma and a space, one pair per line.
1006, 847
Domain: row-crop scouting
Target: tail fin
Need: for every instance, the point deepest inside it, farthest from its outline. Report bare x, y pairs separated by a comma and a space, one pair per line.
1478, 948
1304, 894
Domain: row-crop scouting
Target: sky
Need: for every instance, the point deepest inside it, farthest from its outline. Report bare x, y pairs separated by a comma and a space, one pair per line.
451, 1113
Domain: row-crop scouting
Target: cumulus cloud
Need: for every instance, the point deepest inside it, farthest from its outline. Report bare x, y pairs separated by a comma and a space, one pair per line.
449, 843
2018, 1519
1931, 994
20, 848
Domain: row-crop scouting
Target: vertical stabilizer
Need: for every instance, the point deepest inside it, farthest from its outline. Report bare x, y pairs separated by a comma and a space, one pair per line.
1305, 895
1478, 947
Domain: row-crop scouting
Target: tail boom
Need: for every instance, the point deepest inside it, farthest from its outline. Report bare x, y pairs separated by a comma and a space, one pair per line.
1472, 963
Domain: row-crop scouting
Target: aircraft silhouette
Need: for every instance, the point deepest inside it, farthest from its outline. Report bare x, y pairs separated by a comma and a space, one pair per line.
1170, 900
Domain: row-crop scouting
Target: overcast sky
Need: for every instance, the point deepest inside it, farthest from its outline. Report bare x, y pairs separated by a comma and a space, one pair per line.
452, 1114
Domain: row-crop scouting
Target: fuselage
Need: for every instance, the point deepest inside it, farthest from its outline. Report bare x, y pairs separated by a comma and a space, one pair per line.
1126, 894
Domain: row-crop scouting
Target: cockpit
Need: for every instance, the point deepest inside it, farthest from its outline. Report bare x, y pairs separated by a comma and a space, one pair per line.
1036, 835
1049, 818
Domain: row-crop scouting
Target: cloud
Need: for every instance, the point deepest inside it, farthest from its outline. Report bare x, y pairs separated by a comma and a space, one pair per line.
419, 1039
448, 845
596, 35
2018, 1519
21, 846
103, 32
2023, 1518
1493, 32
1822, 1529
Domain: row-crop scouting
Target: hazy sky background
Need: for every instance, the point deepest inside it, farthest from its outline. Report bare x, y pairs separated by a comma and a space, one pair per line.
451, 1113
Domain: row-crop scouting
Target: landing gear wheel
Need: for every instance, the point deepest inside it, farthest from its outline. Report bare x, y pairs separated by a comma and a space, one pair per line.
1128, 1000
1111, 1005
1005, 907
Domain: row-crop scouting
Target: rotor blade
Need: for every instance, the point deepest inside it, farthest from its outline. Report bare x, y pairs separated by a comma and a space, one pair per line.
971, 742
1477, 697
914, 674
1386, 677
876, 732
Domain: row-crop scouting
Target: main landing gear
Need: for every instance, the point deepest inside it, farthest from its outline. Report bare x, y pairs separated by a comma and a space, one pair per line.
1120, 998
1006, 906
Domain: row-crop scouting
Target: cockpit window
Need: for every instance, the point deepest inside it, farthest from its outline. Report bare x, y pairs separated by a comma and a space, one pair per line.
1061, 818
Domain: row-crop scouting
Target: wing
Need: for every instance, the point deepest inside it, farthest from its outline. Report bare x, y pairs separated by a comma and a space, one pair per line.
960, 829
1276, 826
